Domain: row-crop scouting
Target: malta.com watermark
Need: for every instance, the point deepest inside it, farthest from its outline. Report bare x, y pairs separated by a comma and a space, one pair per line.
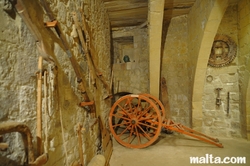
210, 159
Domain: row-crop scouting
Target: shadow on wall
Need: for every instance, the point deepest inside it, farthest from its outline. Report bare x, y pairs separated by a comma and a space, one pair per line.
7, 6
6, 161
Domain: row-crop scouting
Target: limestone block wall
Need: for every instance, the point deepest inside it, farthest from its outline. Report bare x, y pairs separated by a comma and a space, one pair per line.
244, 70
19, 58
175, 70
18, 82
131, 76
223, 120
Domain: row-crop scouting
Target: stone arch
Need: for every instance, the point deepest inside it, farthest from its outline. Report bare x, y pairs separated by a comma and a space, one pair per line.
209, 31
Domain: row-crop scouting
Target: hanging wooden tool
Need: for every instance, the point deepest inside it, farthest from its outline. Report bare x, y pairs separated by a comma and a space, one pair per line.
39, 105
93, 70
79, 133
74, 64
93, 53
84, 45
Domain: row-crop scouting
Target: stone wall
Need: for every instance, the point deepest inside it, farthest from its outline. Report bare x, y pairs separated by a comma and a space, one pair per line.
19, 58
18, 82
175, 70
244, 68
131, 76
223, 120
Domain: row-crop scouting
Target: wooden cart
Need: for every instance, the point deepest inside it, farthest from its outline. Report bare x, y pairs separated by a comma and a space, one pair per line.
136, 121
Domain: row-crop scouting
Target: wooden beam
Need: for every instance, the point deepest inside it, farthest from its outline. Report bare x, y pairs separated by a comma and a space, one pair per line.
155, 18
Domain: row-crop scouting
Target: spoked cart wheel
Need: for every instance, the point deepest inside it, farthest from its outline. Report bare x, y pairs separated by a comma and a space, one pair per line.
158, 104
135, 121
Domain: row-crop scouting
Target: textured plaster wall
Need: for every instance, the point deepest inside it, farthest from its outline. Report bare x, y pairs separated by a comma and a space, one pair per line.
18, 68
223, 120
175, 70
244, 68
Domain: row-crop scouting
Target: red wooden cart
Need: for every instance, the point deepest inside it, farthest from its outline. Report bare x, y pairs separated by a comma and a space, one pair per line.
136, 121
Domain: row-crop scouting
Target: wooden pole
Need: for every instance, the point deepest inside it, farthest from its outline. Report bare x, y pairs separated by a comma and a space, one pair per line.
94, 72
39, 106
45, 112
72, 59
84, 45
79, 128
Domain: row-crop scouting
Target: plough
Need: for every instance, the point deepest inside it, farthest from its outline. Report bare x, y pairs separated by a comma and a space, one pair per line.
136, 121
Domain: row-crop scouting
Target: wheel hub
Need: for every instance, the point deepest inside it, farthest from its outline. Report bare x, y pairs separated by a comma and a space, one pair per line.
134, 121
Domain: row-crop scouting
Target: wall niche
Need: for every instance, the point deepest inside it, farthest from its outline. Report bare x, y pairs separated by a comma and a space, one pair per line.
130, 61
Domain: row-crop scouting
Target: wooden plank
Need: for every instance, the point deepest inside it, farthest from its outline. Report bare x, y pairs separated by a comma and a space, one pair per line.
132, 13
179, 3
105, 140
107, 146
108, 152
124, 5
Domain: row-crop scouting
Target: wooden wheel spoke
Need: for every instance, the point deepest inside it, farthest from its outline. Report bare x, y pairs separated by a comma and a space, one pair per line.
144, 132
158, 103
144, 111
121, 112
126, 129
120, 124
130, 135
139, 103
146, 125
123, 109
137, 108
120, 117
148, 118
138, 135
129, 103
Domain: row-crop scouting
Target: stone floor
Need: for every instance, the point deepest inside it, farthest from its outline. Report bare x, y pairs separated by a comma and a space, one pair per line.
176, 150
